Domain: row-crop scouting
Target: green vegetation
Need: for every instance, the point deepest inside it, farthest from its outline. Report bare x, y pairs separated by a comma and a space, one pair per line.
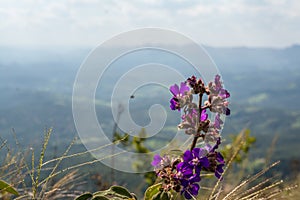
33, 178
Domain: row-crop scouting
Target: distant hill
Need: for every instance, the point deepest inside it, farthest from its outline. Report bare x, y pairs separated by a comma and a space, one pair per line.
36, 86
244, 59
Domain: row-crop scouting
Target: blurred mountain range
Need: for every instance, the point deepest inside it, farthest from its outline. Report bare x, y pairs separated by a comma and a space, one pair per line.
36, 91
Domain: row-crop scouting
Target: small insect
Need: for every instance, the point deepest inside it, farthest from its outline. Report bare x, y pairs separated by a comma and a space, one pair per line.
132, 96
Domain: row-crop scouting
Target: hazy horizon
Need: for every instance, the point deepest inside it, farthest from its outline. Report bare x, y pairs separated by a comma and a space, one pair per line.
263, 23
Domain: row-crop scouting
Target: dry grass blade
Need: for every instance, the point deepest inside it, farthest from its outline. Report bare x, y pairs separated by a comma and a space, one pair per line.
56, 166
42, 155
4, 143
64, 186
241, 143
250, 180
83, 153
77, 166
271, 150
260, 192
280, 191
254, 188
16, 166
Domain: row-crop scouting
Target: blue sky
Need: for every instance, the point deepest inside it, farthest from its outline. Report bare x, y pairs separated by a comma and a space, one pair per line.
253, 23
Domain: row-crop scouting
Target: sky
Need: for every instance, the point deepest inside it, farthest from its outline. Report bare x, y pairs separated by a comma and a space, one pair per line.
218, 23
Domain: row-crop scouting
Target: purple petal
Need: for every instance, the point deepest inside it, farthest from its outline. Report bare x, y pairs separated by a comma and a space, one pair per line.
173, 103
217, 124
183, 88
187, 156
179, 166
204, 116
218, 82
216, 145
195, 178
217, 175
207, 147
217, 78
187, 195
194, 189
220, 158
174, 89
198, 169
199, 152
187, 171
156, 160
204, 162
196, 152
224, 93
184, 182
219, 168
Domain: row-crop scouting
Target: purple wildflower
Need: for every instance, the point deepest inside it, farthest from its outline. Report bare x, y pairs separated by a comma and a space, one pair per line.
218, 82
190, 122
165, 168
219, 168
216, 160
177, 92
156, 160
224, 93
191, 188
218, 122
178, 100
182, 173
174, 103
217, 98
188, 171
194, 160
214, 128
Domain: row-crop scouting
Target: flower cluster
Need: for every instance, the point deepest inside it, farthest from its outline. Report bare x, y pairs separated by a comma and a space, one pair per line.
217, 98
195, 118
165, 168
182, 173
188, 171
180, 98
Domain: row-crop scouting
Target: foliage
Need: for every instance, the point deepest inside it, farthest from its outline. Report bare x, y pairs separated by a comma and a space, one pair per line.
40, 179
114, 192
6, 188
235, 140
138, 144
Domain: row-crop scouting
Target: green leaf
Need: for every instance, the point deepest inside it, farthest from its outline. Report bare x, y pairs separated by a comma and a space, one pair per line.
164, 196
100, 198
8, 188
156, 196
152, 191
121, 191
102, 193
84, 196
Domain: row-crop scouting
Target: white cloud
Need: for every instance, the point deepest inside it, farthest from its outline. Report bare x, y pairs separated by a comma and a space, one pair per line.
88, 22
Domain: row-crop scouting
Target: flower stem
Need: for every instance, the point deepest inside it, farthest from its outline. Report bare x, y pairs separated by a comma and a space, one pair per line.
198, 130
194, 142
